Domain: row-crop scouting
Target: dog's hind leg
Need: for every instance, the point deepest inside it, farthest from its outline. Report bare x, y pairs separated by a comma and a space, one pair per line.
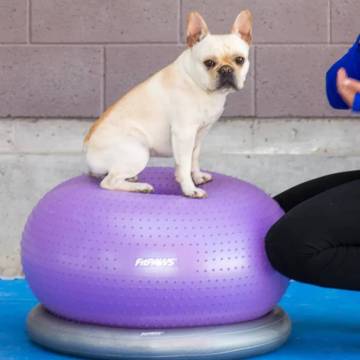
128, 160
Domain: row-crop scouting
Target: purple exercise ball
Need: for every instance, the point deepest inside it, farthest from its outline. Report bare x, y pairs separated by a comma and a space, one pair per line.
153, 260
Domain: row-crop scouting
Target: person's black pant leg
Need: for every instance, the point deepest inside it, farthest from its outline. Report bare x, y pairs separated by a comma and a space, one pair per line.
299, 193
318, 240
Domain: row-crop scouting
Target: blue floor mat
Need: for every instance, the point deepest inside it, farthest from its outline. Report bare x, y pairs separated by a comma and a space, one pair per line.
326, 324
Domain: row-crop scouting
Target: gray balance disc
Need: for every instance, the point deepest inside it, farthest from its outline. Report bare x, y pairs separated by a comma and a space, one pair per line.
210, 342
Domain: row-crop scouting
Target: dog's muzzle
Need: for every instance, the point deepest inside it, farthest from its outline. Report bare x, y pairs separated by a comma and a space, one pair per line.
226, 77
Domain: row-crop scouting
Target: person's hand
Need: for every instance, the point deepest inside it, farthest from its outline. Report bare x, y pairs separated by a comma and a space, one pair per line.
347, 87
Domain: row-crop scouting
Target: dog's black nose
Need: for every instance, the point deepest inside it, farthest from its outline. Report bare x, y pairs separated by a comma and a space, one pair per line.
226, 70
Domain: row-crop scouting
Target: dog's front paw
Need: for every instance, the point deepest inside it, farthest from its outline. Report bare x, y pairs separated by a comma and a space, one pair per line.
195, 193
201, 177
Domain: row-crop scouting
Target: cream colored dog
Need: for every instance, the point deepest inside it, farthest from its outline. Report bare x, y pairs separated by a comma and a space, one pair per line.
172, 111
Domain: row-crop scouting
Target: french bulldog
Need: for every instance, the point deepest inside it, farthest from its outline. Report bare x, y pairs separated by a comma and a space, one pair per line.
171, 112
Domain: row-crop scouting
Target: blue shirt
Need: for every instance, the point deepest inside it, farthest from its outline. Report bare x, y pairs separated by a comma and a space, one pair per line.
351, 62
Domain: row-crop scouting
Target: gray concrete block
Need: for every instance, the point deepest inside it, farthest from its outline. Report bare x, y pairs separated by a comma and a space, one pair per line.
50, 136
344, 20
13, 21
7, 135
275, 21
127, 66
290, 80
89, 21
235, 137
52, 81
24, 180
289, 136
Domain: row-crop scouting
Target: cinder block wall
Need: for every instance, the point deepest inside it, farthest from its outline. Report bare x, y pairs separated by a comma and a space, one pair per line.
63, 61
71, 58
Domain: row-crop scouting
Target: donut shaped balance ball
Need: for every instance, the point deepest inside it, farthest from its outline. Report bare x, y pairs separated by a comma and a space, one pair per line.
153, 261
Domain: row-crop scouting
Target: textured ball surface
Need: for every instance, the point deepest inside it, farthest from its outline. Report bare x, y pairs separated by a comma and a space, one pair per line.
153, 260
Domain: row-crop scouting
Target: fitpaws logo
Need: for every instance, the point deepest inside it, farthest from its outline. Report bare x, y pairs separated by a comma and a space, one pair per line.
155, 262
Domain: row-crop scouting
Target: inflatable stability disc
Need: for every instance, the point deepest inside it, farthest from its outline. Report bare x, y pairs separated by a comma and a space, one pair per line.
156, 260
231, 341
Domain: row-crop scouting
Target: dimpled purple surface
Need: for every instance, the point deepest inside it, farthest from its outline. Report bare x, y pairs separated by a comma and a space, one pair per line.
153, 260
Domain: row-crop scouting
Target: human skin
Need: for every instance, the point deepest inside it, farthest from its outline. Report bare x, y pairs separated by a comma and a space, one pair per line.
347, 87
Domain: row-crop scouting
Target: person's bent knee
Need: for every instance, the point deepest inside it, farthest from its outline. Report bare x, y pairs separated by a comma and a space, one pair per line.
276, 248
287, 250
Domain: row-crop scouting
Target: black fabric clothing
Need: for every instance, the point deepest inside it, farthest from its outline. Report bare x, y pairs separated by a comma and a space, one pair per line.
317, 241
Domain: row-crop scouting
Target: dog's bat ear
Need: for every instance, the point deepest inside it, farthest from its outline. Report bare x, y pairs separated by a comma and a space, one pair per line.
196, 28
243, 26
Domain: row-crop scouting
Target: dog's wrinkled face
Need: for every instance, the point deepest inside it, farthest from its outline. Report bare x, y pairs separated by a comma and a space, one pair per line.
220, 62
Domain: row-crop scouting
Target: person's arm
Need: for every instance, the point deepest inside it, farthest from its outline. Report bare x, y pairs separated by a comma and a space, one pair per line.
343, 80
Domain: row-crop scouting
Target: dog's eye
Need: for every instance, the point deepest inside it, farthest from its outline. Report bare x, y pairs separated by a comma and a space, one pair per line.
240, 60
209, 63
